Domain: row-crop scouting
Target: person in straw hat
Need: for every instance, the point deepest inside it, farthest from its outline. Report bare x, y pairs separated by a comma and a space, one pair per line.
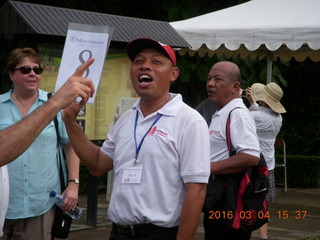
266, 110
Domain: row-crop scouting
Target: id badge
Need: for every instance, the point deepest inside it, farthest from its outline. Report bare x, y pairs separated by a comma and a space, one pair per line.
132, 175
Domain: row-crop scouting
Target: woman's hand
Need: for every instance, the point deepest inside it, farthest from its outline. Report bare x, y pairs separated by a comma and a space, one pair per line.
248, 96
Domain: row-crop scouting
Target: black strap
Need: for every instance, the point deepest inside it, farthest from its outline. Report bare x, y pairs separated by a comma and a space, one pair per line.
142, 230
228, 133
60, 147
231, 153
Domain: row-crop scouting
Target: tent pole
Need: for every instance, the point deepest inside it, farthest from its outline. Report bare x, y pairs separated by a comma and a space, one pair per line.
269, 68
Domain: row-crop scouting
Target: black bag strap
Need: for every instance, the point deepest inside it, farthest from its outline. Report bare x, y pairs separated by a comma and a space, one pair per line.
60, 155
262, 161
228, 133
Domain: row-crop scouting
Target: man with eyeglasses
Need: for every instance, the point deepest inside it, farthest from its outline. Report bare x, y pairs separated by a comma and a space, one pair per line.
14, 140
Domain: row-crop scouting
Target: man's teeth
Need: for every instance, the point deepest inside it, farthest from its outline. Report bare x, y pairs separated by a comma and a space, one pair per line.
145, 78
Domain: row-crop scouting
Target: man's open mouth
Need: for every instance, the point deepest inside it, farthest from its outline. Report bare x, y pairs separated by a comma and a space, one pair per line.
145, 78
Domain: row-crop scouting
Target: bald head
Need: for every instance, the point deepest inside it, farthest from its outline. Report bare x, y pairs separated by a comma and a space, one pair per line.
223, 83
230, 69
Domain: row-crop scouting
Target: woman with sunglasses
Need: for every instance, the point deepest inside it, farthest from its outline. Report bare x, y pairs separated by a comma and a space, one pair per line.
35, 173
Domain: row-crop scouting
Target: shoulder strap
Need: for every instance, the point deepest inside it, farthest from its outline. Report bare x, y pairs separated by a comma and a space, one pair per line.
55, 123
59, 145
228, 132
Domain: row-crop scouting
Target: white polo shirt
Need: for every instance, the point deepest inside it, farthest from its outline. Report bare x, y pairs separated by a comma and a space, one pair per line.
4, 195
242, 131
268, 125
175, 151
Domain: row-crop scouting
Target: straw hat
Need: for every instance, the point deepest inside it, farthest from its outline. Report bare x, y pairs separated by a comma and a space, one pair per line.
270, 93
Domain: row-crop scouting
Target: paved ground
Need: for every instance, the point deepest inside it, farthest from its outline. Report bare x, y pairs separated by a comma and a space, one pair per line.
285, 222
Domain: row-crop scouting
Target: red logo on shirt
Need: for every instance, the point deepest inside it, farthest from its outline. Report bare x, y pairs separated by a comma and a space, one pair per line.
214, 132
154, 130
162, 133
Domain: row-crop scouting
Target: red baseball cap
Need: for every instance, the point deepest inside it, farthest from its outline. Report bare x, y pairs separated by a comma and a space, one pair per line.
136, 45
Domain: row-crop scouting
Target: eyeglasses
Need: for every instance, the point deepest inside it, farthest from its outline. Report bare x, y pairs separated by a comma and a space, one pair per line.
27, 70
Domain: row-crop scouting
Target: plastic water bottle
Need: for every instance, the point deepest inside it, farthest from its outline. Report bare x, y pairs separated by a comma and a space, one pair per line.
59, 198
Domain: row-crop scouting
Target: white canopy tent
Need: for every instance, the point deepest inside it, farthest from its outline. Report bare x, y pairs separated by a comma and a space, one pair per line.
258, 29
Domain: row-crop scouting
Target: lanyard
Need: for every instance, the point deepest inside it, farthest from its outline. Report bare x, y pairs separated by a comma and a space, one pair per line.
138, 147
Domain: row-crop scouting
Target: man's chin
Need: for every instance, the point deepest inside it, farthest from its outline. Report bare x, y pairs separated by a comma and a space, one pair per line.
212, 97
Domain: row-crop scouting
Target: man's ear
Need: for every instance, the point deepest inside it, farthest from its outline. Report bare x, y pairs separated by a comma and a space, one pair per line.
236, 88
174, 73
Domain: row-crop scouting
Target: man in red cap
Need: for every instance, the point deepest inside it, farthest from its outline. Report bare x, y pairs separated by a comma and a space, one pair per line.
159, 151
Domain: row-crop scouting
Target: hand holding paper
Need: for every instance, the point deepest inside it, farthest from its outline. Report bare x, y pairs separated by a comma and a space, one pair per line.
75, 86
84, 42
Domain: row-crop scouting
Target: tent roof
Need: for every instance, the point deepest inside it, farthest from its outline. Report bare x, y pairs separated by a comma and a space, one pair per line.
258, 26
27, 18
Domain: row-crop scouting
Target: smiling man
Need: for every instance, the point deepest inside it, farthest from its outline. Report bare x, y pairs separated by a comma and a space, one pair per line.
159, 151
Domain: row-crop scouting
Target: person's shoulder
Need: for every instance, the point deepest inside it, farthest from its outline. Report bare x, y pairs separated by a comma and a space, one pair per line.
125, 117
182, 109
43, 92
186, 107
204, 103
43, 95
234, 105
238, 109
190, 113
4, 96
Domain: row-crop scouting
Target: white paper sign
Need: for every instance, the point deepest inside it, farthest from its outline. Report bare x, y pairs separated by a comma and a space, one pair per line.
82, 43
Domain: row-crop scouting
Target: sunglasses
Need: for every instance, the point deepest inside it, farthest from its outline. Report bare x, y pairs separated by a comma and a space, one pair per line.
27, 70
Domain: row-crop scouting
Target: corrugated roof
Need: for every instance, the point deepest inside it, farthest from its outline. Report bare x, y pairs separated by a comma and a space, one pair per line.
28, 18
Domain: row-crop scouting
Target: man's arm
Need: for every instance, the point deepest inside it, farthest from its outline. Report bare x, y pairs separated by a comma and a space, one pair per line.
89, 153
191, 210
234, 164
15, 139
